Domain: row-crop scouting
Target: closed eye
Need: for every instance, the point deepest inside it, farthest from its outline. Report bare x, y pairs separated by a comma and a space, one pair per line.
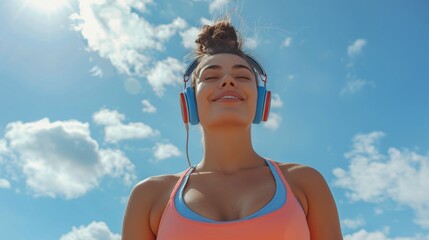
210, 78
243, 74
243, 77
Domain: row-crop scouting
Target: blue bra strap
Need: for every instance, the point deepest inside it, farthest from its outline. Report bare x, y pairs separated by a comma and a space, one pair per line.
275, 203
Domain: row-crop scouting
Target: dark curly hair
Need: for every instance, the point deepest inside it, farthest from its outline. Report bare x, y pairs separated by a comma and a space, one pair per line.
221, 37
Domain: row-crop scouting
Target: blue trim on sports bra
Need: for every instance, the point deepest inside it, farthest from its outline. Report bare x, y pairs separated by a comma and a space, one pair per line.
275, 203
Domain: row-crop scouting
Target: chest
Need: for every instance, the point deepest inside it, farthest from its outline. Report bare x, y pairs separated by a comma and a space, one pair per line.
229, 197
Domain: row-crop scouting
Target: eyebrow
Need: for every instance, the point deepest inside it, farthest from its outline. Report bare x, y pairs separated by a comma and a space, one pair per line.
237, 66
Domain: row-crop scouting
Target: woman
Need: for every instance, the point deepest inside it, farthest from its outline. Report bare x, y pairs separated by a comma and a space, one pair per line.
232, 193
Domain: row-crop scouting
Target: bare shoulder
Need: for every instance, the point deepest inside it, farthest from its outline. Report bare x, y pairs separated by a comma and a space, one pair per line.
306, 182
153, 193
152, 186
302, 175
303, 180
312, 190
146, 205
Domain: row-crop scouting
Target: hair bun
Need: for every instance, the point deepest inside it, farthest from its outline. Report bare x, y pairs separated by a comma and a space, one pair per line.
220, 37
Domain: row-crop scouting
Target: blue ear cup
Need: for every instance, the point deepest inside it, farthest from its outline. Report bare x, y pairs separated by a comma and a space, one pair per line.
262, 105
191, 103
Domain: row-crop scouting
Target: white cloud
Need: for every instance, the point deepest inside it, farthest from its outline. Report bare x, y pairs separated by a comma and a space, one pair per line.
132, 130
364, 235
4, 183
380, 235
3, 150
189, 36
353, 223
251, 43
96, 71
354, 85
93, 231
116, 131
163, 151
60, 159
276, 102
132, 86
273, 122
108, 117
165, 31
115, 32
287, 42
399, 175
205, 21
116, 164
378, 211
356, 47
217, 5
3, 147
148, 107
166, 72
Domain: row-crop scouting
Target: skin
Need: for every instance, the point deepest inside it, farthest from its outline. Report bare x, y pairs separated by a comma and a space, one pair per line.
230, 161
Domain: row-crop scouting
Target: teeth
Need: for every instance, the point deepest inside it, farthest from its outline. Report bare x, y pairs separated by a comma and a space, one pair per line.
229, 97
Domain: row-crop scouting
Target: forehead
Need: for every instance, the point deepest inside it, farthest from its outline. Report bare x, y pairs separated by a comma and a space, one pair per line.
223, 60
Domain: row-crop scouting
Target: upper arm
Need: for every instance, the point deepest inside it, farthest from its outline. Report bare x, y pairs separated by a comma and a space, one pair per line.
136, 222
322, 215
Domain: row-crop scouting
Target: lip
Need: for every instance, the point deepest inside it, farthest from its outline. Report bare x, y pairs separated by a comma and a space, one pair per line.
220, 97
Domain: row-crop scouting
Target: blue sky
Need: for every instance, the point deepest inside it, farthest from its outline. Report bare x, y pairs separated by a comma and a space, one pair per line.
89, 106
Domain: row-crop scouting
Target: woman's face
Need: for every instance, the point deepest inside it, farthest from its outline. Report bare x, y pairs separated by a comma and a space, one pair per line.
225, 91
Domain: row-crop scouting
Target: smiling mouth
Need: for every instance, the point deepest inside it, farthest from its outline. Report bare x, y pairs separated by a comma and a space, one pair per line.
228, 98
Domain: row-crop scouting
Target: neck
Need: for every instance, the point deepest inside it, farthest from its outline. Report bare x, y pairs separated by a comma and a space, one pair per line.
228, 150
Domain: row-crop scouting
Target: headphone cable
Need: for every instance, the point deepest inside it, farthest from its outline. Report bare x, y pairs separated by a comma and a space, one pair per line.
187, 143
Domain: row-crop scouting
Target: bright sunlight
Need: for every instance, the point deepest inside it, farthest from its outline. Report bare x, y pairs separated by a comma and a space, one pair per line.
47, 6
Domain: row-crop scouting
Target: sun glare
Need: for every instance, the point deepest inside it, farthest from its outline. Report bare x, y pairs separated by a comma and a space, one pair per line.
47, 6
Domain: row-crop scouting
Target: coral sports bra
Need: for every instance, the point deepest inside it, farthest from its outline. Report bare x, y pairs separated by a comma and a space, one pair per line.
281, 218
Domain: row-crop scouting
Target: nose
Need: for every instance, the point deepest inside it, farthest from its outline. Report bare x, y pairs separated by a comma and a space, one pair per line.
227, 80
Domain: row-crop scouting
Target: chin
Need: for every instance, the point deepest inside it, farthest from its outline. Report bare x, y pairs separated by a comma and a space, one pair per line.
226, 122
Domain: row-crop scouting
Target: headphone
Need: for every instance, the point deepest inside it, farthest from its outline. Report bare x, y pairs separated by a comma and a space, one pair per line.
188, 101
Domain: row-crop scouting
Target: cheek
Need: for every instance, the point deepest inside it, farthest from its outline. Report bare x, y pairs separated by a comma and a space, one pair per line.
201, 96
253, 98
253, 92
200, 92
